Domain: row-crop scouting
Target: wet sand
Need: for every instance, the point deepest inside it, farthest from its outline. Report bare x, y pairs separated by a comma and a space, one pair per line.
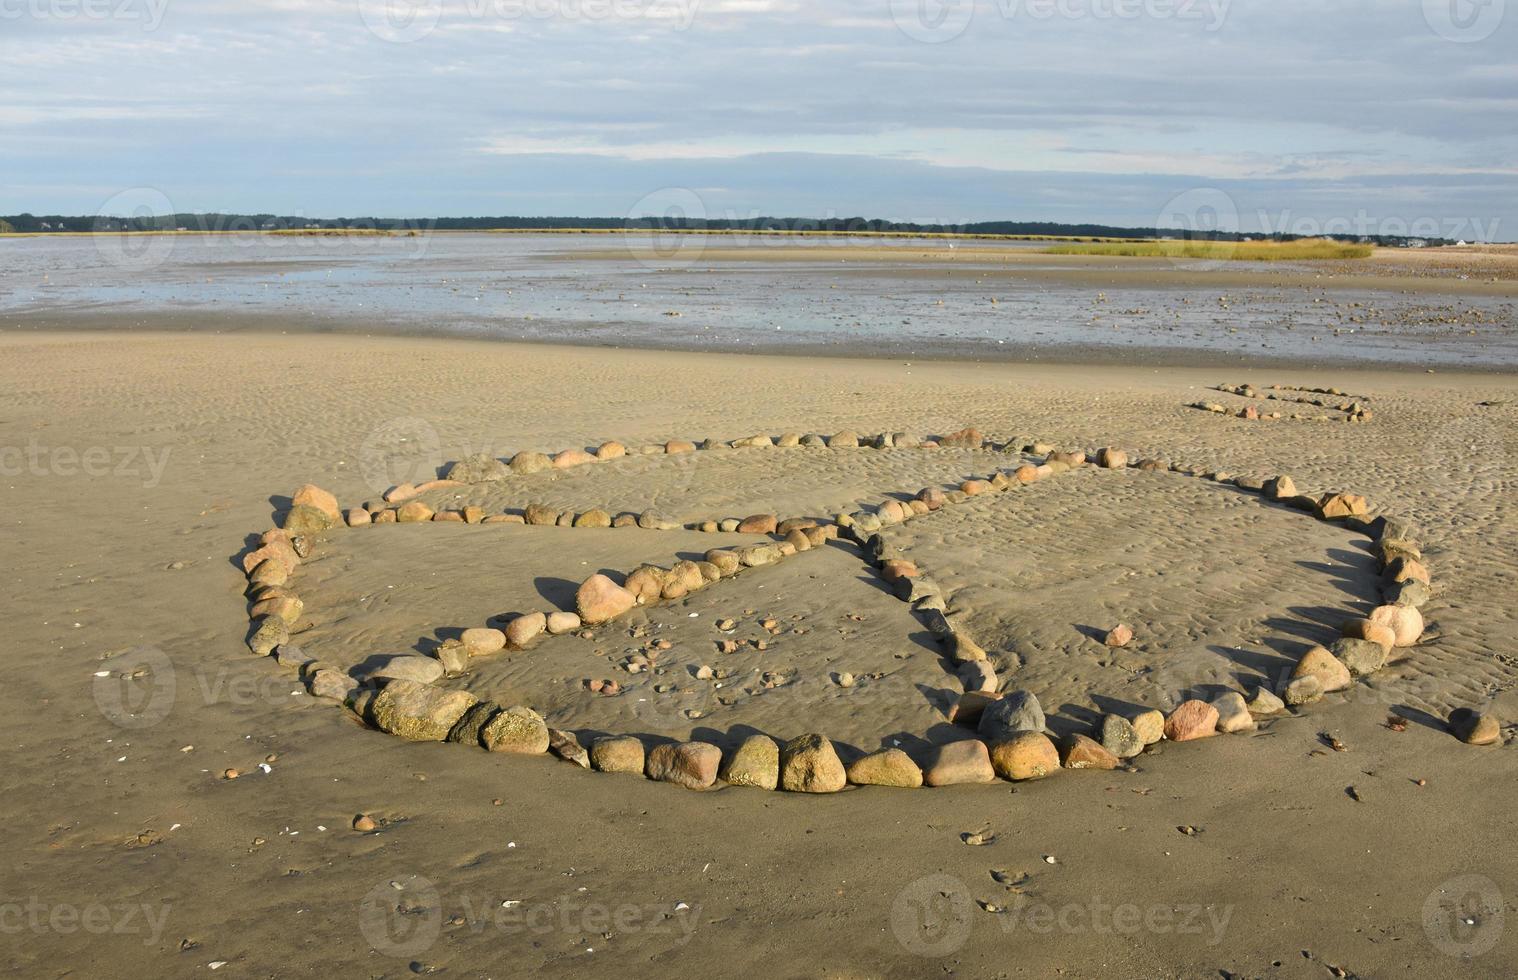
138, 464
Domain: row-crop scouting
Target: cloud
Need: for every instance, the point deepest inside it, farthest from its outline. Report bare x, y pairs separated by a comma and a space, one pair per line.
298, 105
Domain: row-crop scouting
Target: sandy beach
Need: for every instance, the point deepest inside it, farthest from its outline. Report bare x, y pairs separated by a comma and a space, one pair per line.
140, 467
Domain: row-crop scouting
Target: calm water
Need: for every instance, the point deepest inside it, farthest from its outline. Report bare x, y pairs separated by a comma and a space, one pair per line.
548, 287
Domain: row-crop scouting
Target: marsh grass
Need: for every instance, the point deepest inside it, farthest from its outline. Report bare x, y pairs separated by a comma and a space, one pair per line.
1307, 248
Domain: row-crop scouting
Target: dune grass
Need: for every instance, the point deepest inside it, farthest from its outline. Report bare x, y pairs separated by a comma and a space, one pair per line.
1307, 248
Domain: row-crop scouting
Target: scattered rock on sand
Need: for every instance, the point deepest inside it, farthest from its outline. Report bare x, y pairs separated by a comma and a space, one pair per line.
958, 763
419, 712
888, 767
1112, 459
809, 764
756, 762
1191, 720
617, 753
1119, 636
1025, 755
600, 600
1474, 728
692, 765
518, 730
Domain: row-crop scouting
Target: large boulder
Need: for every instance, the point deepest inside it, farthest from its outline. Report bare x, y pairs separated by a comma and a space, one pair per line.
809, 764
1019, 711
756, 762
1025, 755
600, 600
419, 712
958, 763
518, 730
1406, 622
689, 764
1327, 668
888, 767
617, 753
1191, 720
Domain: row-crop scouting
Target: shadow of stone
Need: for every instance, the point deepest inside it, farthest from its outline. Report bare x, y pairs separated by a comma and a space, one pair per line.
1420, 717
250, 544
1259, 668
558, 591
1117, 706
939, 698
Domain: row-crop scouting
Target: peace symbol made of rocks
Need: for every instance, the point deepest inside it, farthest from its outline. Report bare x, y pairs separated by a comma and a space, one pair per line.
1009, 740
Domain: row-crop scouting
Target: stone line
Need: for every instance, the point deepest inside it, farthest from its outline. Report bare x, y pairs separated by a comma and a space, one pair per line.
1349, 411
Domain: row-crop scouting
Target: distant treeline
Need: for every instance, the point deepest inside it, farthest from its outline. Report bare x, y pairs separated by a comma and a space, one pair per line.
33, 224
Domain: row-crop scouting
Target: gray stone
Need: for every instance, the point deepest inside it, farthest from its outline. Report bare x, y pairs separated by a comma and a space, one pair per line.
567, 747
479, 468
1119, 737
467, 730
269, 633
1019, 711
1362, 657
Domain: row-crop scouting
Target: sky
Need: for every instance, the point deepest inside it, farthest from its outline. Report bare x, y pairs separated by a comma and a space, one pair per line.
1305, 116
